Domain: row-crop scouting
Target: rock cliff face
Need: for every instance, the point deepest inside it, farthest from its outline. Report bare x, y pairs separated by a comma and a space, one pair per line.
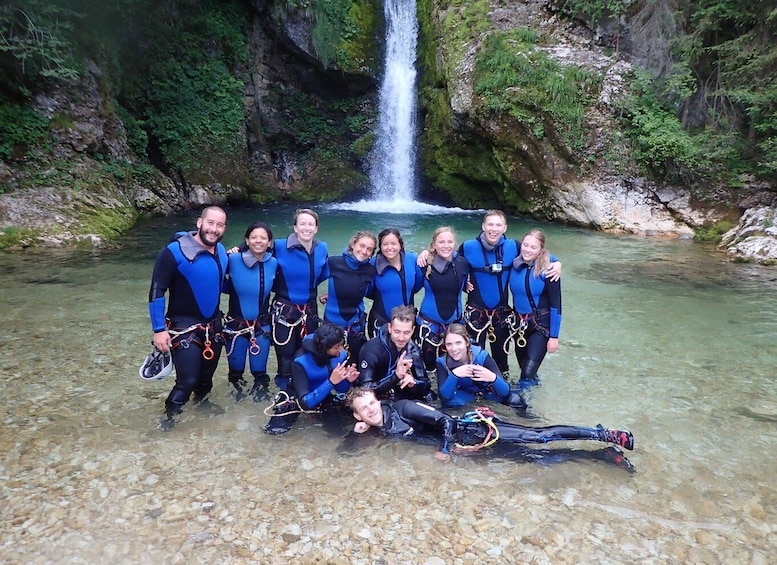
70, 195
524, 161
309, 114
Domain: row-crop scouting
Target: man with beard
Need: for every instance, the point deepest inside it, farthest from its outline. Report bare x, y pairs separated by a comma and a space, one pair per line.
191, 268
390, 363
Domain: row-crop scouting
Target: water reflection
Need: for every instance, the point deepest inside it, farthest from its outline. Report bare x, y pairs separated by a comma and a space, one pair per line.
661, 337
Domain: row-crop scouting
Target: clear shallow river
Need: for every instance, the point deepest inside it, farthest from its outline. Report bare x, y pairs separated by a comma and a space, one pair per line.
660, 337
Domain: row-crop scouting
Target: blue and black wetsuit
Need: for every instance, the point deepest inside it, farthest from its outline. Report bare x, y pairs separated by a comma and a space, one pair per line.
378, 365
487, 312
441, 305
460, 391
194, 277
537, 307
294, 310
392, 288
249, 282
310, 377
349, 283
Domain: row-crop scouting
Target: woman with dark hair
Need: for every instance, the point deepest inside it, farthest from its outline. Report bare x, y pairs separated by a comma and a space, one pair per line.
397, 279
350, 277
536, 319
320, 377
250, 276
466, 373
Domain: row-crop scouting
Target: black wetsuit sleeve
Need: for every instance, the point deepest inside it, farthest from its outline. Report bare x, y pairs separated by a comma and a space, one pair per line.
422, 383
165, 269
424, 415
370, 376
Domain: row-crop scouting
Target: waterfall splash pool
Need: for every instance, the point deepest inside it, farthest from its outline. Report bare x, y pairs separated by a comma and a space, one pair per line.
660, 337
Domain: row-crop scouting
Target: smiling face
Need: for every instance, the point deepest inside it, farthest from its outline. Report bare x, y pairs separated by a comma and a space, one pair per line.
363, 248
494, 227
258, 241
367, 409
306, 227
457, 347
211, 226
400, 332
530, 248
336, 349
390, 246
444, 244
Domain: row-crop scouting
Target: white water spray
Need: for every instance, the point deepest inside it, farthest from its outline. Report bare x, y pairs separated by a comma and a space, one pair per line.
392, 171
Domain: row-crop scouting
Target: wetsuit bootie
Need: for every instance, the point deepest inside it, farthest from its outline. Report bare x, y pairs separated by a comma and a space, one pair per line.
238, 382
282, 381
615, 456
206, 406
285, 411
165, 424
261, 389
515, 400
624, 438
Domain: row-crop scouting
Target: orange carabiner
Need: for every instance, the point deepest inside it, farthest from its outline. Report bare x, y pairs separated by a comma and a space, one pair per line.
207, 352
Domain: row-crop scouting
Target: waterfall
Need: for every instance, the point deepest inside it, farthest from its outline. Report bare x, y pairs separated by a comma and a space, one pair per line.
392, 170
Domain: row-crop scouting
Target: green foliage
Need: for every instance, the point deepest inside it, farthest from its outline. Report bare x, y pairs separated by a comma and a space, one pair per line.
594, 10
712, 232
343, 31
185, 92
37, 37
513, 77
661, 144
14, 237
137, 138
333, 27
20, 128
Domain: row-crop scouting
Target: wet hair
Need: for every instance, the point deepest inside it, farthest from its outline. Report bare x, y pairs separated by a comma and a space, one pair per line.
327, 336
357, 392
307, 211
460, 330
432, 252
495, 213
357, 236
394, 232
256, 226
542, 262
403, 314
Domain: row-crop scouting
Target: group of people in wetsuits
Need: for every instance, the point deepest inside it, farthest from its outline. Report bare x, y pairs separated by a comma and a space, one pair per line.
389, 356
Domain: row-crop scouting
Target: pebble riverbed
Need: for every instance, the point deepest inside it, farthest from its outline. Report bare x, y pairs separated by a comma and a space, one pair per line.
88, 479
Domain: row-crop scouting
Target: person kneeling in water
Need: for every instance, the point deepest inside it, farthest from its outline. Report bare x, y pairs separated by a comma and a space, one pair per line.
320, 377
473, 430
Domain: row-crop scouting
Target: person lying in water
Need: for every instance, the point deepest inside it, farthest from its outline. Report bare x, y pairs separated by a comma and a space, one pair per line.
473, 430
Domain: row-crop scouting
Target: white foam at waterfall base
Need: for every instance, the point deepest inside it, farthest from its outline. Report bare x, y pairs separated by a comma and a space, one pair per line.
398, 206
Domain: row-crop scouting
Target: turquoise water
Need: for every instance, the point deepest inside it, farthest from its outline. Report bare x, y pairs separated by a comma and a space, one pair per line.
659, 336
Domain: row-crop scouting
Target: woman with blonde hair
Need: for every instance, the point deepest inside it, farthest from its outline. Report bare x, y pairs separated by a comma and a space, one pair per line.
536, 319
444, 278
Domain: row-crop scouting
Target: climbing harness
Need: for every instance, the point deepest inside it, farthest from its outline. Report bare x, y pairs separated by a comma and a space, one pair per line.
481, 415
207, 349
281, 314
244, 327
289, 405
